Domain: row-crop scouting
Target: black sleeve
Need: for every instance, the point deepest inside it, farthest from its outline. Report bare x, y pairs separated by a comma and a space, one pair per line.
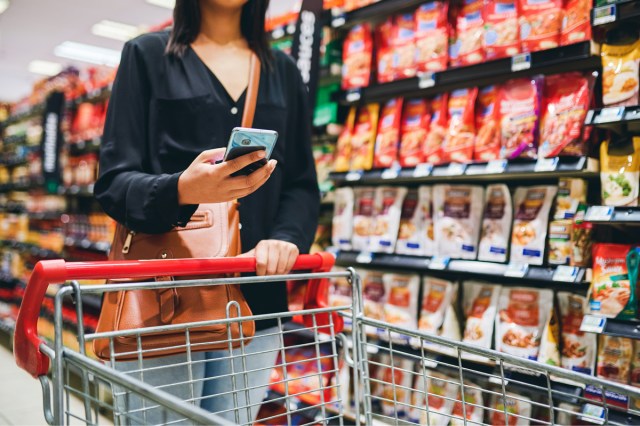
140, 201
297, 218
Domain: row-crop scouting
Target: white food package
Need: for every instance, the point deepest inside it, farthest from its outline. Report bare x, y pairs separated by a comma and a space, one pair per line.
340, 293
342, 223
442, 392
474, 406
415, 235
363, 217
374, 297
425, 197
437, 296
401, 308
579, 349
457, 216
531, 219
388, 208
479, 302
522, 315
402, 377
518, 409
496, 224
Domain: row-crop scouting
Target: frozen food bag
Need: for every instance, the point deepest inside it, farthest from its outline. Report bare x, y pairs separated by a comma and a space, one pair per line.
528, 237
480, 301
612, 294
519, 106
343, 146
614, 358
487, 142
467, 49
620, 79
363, 217
432, 36
388, 138
342, 222
560, 242
388, 208
576, 22
357, 57
501, 34
401, 307
437, 295
518, 408
540, 24
620, 172
550, 341
458, 144
432, 145
571, 193
474, 406
436, 408
384, 52
364, 137
410, 240
578, 348
404, 46
416, 118
394, 385
496, 224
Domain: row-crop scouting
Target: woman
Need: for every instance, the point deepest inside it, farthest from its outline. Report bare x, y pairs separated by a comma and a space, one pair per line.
176, 98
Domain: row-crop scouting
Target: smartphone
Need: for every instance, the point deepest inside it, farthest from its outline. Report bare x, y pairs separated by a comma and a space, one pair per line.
244, 141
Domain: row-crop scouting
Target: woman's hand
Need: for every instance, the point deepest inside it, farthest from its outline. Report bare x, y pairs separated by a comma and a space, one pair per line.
207, 182
274, 257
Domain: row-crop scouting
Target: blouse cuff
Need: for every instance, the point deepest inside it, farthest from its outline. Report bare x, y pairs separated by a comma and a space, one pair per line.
168, 207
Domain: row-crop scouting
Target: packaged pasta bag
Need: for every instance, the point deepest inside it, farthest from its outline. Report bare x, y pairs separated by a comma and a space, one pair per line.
357, 54
384, 51
343, 146
571, 193
410, 239
416, 118
479, 302
487, 140
518, 408
576, 22
496, 224
458, 144
565, 104
374, 297
614, 358
528, 237
519, 105
425, 197
393, 385
612, 294
342, 222
388, 138
401, 308
364, 137
473, 406
620, 79
363, 217
457, 215
520, 321
560, 241
432, 144
432, 36
578, 347
437, 295
540, 24
467, 48
620, 172
436, 408
388, 207
550, 341
404, 46
501, 34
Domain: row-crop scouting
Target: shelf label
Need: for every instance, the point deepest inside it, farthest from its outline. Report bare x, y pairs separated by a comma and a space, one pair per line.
521, 62
422, 170
496, 167
604, 15
609, 115
632, 114
567, 274
439, 263
353, 95
592, 414
391, 173
599, 214
455, 169
277, 33
588, 118
593, 324
353, 176
364, 257
546, 164
516, 270
338, 17
426, 80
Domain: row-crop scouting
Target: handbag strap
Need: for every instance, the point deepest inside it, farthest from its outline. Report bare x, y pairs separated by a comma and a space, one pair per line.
252, 91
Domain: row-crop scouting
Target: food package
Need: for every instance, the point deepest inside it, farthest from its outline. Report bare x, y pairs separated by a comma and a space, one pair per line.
519, 104
540, 24
550, 341
388, 207
571, 193
614, 358
388, 138
496, 224
357, 56
576, 22
620, 172
480, 301
611, 294
393, 385
343, 145
528, 237
467, 49
415, 223
416, 118
432, 36
458, 144
441, 391
342, 222
384, 52
437, 295
487, 143
581, 240
501, 34
404, 47
425, 197
401, 308
457, 215
518, 408
432, 145
560, 242
363, 217
578, 347
620, 67
340, 294
522, 316
634, 380
566, 101
364, 137
350, 5
374, 297
474, 406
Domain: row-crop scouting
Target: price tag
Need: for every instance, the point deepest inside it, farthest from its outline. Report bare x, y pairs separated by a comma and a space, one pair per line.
277, 33
353, 176
422, 170
390, 173
567, 274
439, 263
291, 29
588, 118
632, 114
338, 18
546, 164
521, 62
593, 414
604, 15
593, 324
516, 270
599, 214
609, 115
364, 257
353, 95
426, 80
455, 169
496, 167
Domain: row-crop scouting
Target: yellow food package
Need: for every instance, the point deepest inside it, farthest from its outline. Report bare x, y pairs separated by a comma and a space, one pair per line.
620, 172
620, 77
364, 137
343, 146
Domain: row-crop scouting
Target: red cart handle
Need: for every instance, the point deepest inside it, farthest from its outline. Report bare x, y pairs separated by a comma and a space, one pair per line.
26, 340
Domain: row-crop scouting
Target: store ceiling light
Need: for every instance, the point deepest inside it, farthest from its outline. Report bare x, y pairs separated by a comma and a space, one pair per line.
4, 5
45, 67
87, 53
115, 30
169, 4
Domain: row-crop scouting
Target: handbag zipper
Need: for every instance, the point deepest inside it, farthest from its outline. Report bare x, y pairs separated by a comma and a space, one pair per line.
127, 242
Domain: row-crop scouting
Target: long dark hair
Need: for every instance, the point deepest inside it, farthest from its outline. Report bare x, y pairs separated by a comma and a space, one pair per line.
186, 26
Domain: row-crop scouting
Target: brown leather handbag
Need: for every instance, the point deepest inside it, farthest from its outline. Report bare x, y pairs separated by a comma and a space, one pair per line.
213, 231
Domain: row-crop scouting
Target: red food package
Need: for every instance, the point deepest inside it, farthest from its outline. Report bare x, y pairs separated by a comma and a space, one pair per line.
519, 102
404, 47
384, 53
540, 23
432, 146
576, 24
388, 138
565, 103
467, 48
501, 36
458, 145
356, 57
415, 124
432, 36
487, 143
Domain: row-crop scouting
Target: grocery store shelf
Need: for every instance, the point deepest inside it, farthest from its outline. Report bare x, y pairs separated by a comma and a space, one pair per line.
52, 215
502, 170
31, 249
85, 146
94, 96
21, 186
611, 326
617, 119
620, 11
575, 57
374, 11
615, 216
83, 244
23, 115
77, 190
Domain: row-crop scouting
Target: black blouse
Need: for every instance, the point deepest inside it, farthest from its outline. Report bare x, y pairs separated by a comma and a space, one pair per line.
165, 110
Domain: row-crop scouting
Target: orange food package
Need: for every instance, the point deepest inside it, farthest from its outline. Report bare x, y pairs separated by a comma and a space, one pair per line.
540, 24
432, 145
416, 118
501, 36
458, 145
343, 146
404, 47
388, 139
364, 137
432, 36
487, 143
467, 48
576, 22
384, 53
355, 4
357, 57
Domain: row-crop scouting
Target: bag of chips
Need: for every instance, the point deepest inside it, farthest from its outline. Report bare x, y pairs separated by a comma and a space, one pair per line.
578, 347
404, 47
576, 22
343, 146
364, 137
432, 145
357, 57
528, 237
342, 222
467, 49
614, 358
487, 142
416, 118
620, 172
388, 139
612, 294
620, 79
432, 36
501, 35
363, 217
496, 224
540, 24
384, 51
458, 144
388, 206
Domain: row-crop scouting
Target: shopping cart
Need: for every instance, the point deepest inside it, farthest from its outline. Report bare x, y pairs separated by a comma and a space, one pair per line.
306, 369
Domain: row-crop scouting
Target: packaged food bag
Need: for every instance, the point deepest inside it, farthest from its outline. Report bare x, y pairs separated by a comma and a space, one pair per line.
550, 341
467, 49
343, 146
634, 380
425, 196
342, 222
474, 406
404, 47
384, 52
487, 142
578, 348
374, 297
432, 145
518, 408
388, 138
501, 33
560, 242
571, 193
581, 239
458, 144
576, 22
620, 80
436, 408
614, 358
540, 24
357, 57
393, 386
401, 307
364, 137
480, 301
522, 315
340, 294
388, 207
363, 217
432, 36
437, 295
611, 294
410, 235
496, 224
620, 172
416, 118
528, 237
